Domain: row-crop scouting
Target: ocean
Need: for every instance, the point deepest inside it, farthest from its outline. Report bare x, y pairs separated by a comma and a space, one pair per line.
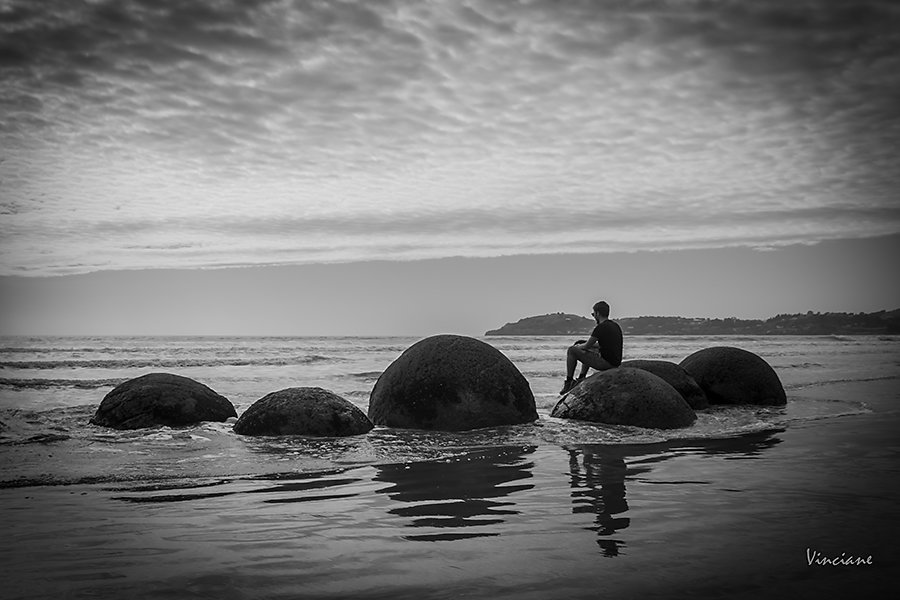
748, 501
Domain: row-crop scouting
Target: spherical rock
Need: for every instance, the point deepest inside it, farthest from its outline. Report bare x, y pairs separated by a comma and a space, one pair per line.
626, 396
451, 383
308, 411
675, 376
161, 399
735, 376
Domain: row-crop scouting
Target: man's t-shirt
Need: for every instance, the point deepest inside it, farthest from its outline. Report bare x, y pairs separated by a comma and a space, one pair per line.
609, 336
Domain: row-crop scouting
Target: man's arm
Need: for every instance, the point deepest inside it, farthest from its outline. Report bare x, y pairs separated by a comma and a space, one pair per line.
592, 342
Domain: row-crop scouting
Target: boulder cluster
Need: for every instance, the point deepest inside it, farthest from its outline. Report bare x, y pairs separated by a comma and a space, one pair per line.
171, 400
664, 395
626, 396
456, 383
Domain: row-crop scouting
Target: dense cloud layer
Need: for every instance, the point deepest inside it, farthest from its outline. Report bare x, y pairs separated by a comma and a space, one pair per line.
149, 133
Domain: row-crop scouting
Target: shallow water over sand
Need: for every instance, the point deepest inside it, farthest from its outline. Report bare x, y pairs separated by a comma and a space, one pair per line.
728, 507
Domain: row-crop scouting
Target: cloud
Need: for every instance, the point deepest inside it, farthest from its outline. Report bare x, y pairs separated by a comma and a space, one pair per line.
443, 127
266, 240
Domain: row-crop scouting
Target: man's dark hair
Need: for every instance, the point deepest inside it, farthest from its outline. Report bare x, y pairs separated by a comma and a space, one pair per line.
603, 308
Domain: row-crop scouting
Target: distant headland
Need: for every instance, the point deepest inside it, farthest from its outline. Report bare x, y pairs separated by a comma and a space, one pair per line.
810, 323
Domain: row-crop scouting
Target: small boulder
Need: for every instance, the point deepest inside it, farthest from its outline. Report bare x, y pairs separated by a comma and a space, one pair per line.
161, 399
675, 376
451, 383
735, 376
308, 411
626, 396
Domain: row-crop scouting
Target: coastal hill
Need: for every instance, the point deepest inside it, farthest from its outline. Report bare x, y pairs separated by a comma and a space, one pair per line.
810, 323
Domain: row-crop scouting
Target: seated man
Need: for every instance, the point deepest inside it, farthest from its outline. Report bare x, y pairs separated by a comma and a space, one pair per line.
602, 351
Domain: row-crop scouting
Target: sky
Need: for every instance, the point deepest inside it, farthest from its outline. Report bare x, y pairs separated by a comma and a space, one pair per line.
399, 167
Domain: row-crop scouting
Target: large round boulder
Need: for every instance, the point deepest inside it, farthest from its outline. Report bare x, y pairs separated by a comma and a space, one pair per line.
451, 383
308, 411
735, 376
626, 396
675, 376
161, 399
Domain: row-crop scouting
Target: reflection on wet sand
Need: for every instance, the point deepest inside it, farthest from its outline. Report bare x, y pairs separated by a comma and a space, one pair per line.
597, 475
597, 479
464, 492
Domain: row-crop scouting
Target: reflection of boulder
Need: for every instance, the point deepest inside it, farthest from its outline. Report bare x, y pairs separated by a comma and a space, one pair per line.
675, 376
626, 396
735, 376
460, 497
161, 399
746, 445
451, 383
303, 411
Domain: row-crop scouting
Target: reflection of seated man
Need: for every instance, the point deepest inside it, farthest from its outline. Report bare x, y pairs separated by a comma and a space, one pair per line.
602, 351
598, 486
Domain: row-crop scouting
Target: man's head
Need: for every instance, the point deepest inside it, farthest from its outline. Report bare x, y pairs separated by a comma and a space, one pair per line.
601, 310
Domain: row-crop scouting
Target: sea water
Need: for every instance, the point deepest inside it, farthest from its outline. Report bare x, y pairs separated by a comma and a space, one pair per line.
520, 510
50, 388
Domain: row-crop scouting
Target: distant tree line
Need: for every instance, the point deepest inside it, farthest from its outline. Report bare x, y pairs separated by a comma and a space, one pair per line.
810, 323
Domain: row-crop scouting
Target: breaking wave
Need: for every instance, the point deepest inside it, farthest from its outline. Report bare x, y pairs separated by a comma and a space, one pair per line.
130, 363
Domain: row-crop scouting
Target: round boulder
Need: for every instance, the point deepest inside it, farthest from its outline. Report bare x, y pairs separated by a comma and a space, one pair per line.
735, 376
308, 411
626, 396
451, 383
675, 376
161, 399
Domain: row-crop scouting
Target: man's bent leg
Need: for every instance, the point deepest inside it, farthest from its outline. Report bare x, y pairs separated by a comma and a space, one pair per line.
571, 363
587, 357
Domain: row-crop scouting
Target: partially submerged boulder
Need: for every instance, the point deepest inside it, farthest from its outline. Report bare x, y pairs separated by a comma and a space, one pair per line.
675, 376
626, 396
451, 383
308, 411
161, 399
735, 376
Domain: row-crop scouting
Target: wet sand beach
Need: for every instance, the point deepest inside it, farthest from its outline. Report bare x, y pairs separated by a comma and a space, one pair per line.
747, 502
732, 517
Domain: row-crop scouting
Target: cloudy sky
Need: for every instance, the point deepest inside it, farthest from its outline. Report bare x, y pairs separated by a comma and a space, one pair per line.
399, 166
